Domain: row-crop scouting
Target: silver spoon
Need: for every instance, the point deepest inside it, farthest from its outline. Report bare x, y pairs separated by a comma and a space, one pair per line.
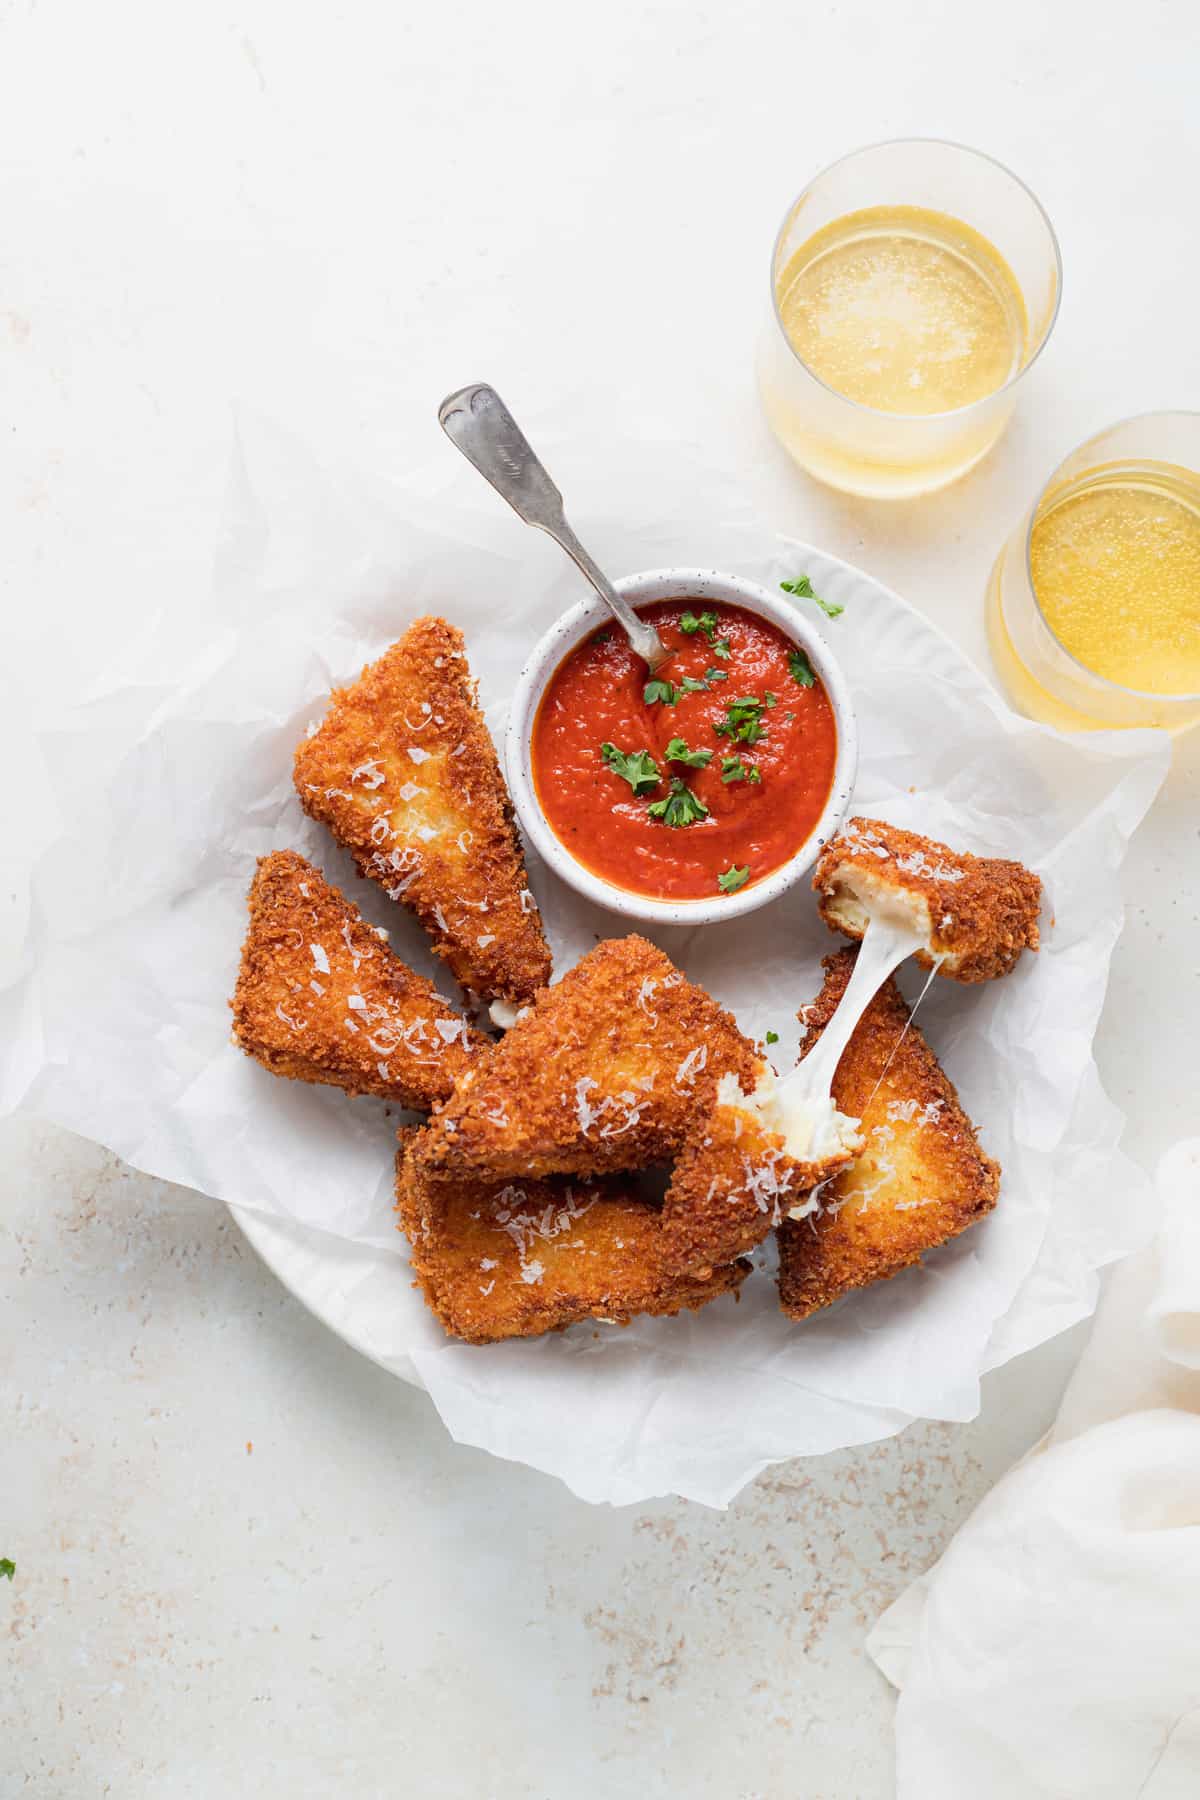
477, 420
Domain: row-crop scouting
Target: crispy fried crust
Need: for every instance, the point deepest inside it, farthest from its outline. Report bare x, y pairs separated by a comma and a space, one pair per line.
733, 1181
980, 912
404, 773
922, 1177
320, 997
501, 1261
610, 1069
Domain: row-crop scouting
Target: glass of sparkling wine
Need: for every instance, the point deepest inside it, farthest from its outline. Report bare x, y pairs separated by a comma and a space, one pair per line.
913, 284
1093, 608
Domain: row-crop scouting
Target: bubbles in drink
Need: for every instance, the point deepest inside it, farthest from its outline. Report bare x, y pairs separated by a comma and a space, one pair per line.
904, 310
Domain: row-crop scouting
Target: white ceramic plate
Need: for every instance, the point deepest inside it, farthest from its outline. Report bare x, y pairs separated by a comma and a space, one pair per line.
355, 1290
120, 1030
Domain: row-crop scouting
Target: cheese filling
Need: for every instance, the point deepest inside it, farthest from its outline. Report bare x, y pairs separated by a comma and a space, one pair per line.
810, 1125
504, 1014
800, 1107
892, 935
859, 897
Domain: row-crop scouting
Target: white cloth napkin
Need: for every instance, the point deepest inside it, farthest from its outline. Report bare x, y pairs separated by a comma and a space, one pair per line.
1054, 1651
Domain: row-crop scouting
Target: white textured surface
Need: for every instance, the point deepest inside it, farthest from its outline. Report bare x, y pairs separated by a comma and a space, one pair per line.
337, 217
355, 1601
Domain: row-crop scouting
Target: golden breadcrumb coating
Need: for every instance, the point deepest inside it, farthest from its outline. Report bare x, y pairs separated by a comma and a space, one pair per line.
732, 1183
610, 1069
921, 1178
499, 1260
320, 997
978, 912
404, 773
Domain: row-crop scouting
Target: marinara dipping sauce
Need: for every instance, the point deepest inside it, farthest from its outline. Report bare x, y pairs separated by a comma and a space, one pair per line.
699, 781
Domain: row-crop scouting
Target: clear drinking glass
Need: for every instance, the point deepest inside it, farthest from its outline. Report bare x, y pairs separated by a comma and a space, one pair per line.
1132, 561
886, 453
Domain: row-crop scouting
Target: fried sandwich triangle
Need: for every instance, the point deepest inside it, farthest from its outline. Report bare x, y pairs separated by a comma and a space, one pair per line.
625, 1065
613, 1068
404, 773
321, 998
921, 1177
499, 1260
974, 915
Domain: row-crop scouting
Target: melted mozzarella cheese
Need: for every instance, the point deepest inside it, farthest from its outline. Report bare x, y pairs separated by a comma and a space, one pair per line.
810, 1125
892, 935
861, 897
800, 1106
504, 1014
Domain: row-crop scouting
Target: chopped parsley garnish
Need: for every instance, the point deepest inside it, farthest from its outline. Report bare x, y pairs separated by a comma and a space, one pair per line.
771, 699
677, 751
734, 769
733, 879
660, 690
707, 623
605, 637
802, 587
743, 721
8, 1567
681, 807
637, 767
692, 684
721, 649
772, 1037
801, 669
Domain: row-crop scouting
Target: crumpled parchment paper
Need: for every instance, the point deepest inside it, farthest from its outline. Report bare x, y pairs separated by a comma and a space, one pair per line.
175, 775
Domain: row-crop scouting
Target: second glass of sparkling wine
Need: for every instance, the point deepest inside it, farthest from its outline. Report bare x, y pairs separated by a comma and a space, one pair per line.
1094, 603
912, 285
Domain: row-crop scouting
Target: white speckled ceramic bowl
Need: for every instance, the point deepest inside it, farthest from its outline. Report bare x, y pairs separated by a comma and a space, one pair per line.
570, 630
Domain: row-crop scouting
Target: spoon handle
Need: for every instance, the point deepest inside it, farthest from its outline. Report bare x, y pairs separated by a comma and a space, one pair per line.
478, 422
